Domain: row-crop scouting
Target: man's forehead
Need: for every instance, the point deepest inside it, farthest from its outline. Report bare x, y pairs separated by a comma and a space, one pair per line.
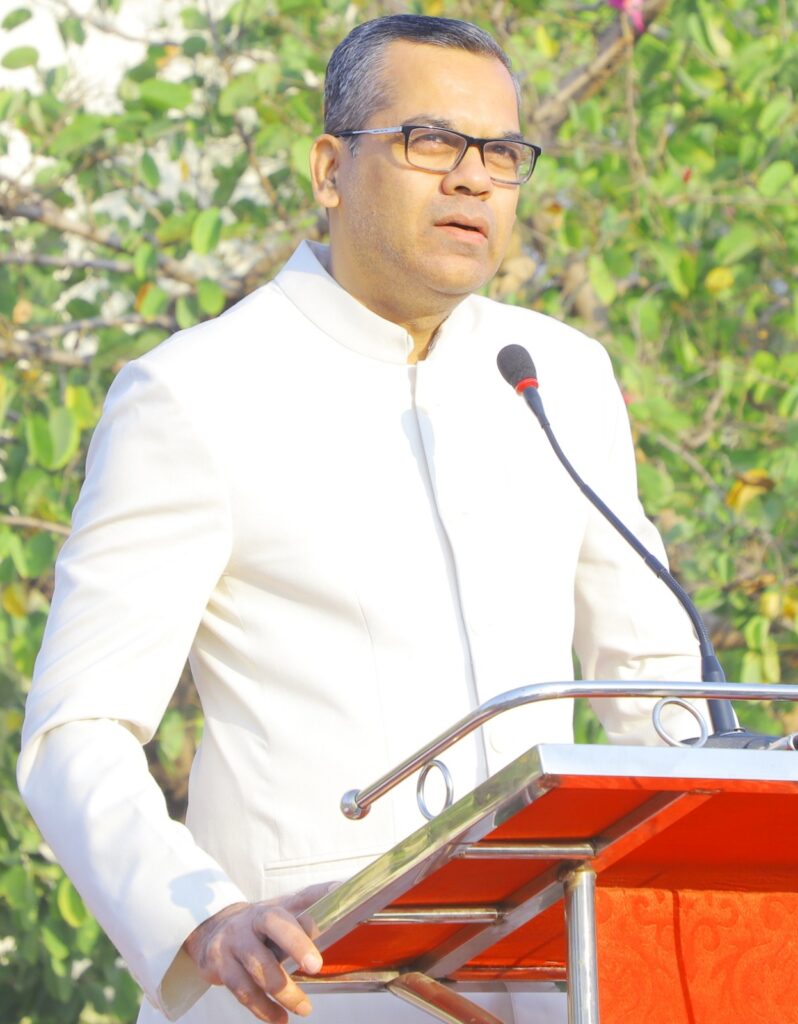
472, 92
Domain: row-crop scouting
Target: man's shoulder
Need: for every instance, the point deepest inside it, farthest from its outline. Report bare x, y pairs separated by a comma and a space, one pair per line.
244, 328
210, 369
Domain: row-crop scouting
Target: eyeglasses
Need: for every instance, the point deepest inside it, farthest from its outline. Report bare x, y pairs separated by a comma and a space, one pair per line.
507, 161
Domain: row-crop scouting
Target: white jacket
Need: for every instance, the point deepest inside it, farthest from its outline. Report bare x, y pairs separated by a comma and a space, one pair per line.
356, 552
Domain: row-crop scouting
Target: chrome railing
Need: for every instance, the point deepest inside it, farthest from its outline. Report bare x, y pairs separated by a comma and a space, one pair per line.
357, 803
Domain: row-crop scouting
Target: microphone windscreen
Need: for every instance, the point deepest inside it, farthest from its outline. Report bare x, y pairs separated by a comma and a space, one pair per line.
515, 364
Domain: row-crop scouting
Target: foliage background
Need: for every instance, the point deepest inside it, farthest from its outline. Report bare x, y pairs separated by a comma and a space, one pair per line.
663, 219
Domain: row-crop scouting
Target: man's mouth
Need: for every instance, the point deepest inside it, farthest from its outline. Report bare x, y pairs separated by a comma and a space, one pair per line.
476, 227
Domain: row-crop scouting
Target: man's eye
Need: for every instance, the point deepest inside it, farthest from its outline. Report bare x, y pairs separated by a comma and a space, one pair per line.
506, 153
432, 140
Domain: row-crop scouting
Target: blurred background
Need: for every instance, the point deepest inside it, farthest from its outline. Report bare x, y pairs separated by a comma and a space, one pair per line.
153, 170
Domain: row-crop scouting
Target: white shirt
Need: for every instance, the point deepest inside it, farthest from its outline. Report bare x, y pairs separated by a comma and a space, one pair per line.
357, 552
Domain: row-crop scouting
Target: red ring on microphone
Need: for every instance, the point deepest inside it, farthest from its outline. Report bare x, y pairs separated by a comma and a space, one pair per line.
527, 382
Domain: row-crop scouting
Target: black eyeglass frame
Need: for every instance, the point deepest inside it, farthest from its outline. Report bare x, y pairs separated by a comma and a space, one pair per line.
470, 140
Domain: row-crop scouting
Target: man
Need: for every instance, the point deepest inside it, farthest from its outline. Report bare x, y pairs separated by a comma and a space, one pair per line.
333, 499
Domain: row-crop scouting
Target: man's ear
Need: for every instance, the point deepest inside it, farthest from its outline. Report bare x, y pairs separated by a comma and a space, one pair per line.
325, 160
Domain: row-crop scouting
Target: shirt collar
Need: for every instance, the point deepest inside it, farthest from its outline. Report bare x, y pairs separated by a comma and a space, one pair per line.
308, 285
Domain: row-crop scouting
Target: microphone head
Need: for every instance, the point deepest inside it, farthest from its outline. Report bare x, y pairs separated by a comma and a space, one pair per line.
516, 366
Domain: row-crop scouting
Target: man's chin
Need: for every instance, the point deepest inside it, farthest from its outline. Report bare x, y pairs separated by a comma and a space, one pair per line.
458, 275
459, 285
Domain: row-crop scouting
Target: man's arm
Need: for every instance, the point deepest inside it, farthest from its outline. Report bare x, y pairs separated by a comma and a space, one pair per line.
151, 536
628, 624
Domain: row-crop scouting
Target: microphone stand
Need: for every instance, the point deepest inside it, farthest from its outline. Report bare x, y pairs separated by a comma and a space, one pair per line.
517, 368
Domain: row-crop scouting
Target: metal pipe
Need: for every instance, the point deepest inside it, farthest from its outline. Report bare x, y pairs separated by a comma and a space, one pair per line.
436, 915
526, 851
580, 921
356, 803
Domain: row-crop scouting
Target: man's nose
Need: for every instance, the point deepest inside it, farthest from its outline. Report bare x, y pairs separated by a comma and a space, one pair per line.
470, 175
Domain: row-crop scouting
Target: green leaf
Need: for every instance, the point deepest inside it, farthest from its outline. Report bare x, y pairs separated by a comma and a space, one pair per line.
16, 17
194, 45
80, 309
752, 670
756, 632
187, 312
87, 936
154, 302
70, 905
39, 439
656, 487
206, 230
300, 156
39, 553
150, 174
78, 134
72, 30
20, 57
211, 297
193, 19
716, 40
601, 279
736, 244
788, 404
176, 228
165, 95
242, 91
15, 888
673, 265
649, 317
16, 551
7, 391
57, 949
78, 399
775, 178
145, 261
171, 735
775, 113
691, 150
65, 436
245, 90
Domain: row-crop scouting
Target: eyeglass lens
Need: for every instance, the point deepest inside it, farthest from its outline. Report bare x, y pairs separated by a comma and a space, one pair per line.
439, 150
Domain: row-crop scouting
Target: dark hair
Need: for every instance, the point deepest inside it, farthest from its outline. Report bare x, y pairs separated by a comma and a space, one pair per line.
354, 88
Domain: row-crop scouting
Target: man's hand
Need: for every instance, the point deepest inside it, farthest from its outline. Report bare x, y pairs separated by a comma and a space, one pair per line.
231, 949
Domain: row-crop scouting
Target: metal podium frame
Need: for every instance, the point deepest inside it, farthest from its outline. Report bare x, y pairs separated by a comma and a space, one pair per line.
672, 782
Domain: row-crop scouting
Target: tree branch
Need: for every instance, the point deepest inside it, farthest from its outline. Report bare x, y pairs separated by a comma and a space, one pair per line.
64, 263
614, 46
113, 30
34, 344
17, 201
31, 523
689, 459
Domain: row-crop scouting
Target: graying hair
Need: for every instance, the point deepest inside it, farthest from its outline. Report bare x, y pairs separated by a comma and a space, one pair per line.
355, 87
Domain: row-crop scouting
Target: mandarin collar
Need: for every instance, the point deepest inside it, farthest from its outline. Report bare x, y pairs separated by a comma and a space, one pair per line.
306, 282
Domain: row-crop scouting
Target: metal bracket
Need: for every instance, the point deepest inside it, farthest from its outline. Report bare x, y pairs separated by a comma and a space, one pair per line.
422, 779
662, 732
438, 1000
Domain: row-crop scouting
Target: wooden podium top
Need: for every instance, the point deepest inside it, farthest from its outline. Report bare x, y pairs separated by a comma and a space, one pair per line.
475, 895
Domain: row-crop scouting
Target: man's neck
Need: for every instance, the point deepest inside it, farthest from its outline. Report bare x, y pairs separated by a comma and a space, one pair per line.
420, 326
423, 336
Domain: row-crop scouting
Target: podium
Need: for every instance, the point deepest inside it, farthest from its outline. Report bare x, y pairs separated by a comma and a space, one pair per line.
655, 885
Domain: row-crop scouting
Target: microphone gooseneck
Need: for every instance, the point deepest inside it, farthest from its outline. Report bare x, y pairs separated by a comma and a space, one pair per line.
516, 366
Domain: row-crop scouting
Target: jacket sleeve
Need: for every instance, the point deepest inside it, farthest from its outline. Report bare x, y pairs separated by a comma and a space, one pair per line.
151, 536
628, 623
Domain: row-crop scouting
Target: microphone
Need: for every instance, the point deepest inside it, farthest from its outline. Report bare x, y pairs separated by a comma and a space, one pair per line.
516, 366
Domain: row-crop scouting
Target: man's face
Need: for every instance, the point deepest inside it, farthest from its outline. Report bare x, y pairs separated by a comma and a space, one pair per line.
394, 228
